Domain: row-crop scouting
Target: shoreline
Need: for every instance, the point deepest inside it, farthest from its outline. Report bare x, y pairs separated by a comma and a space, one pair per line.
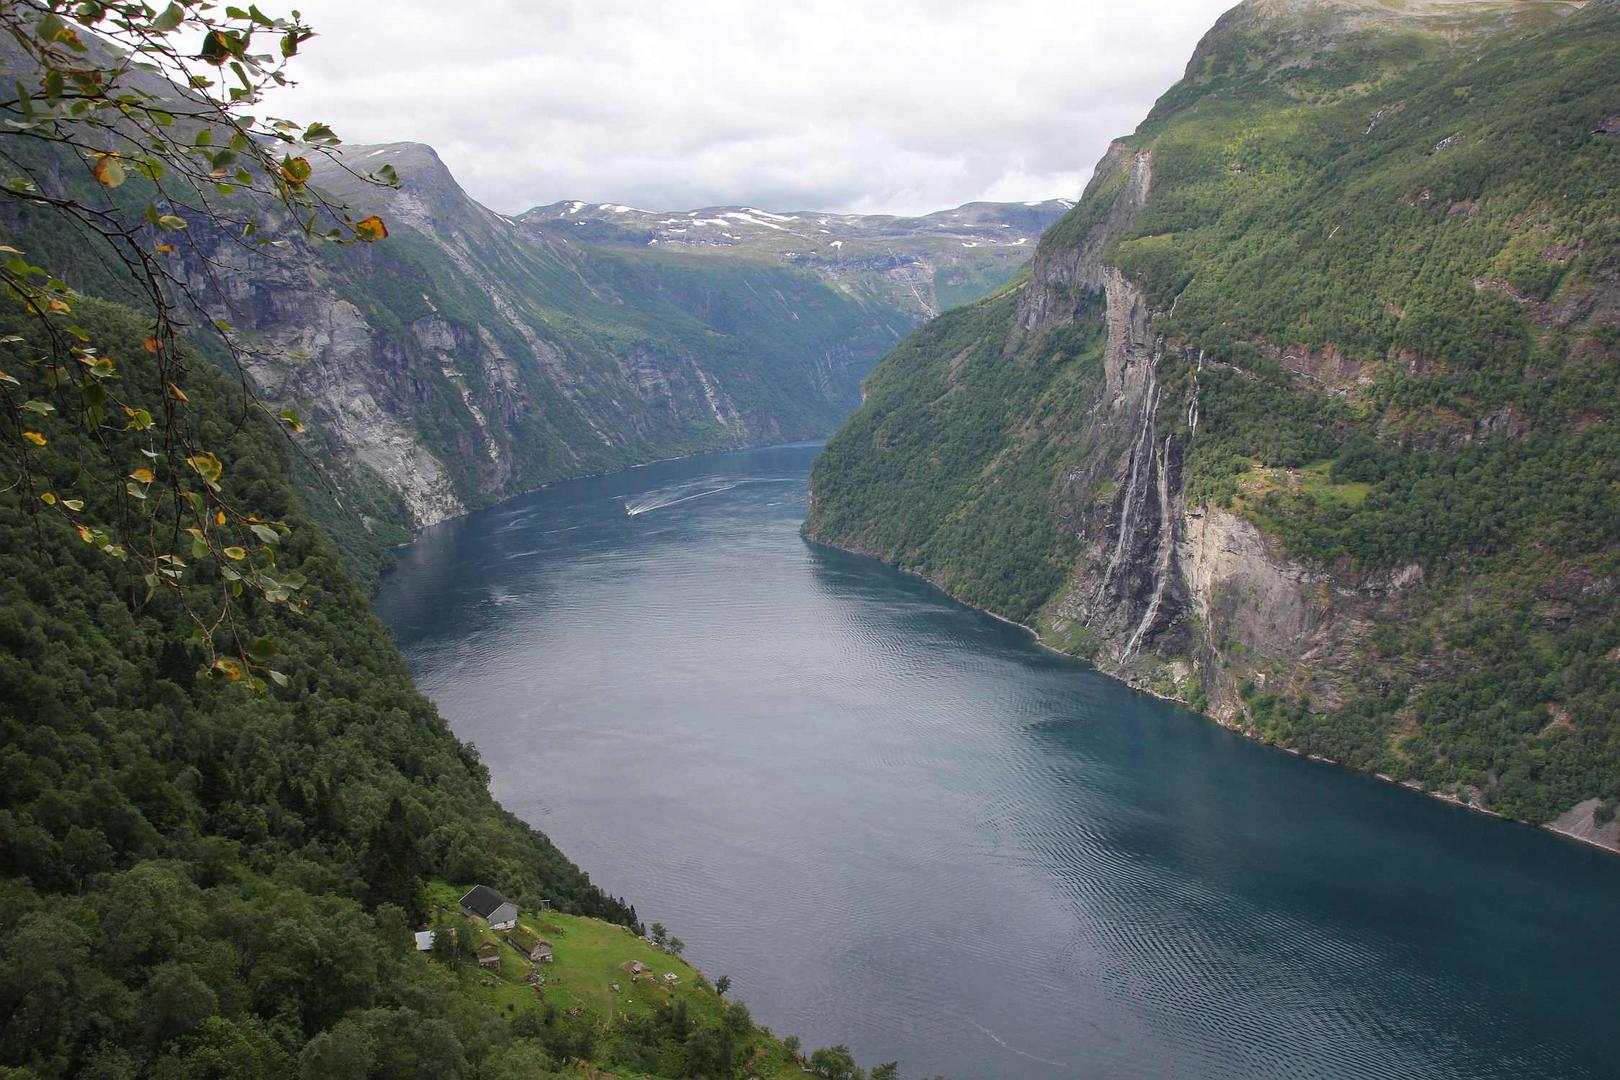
1253, 737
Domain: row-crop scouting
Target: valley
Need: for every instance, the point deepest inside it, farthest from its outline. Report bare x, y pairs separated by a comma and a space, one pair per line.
809, 622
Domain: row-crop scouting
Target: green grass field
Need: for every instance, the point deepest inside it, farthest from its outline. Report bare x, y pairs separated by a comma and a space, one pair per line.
590, 957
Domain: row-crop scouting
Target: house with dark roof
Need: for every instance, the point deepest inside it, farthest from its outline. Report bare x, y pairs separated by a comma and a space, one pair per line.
491, 906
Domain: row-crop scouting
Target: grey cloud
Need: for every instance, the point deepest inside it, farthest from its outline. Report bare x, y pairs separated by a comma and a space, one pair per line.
907, 106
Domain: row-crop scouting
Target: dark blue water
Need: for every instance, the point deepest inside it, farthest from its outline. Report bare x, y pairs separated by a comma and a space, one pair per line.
900, 824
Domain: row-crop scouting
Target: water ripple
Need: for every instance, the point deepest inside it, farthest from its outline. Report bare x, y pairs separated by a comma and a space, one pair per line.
898, 824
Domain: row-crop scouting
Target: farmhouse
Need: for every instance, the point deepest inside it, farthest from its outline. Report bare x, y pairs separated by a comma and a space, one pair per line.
491, 906
541, 953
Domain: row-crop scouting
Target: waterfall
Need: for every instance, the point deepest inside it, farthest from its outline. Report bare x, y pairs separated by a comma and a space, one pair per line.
1141, 452
1192, 406
1161, 562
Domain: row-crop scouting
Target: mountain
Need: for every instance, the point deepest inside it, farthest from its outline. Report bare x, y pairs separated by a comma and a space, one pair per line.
920, 265
472, 356
1305, 414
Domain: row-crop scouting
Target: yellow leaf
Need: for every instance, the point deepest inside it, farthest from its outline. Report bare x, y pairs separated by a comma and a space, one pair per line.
143, 475
58, 306
231, 669
151, 344
219, 517
370, 229
179, 394
207, 465
34, 437
47, 498
234, 552
108, 170
165, 248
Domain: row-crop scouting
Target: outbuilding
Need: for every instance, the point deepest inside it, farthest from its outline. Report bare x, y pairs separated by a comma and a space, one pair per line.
491, 906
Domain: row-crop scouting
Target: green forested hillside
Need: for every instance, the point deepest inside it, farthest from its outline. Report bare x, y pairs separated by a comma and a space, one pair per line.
159, 824
1370, 304
203, 880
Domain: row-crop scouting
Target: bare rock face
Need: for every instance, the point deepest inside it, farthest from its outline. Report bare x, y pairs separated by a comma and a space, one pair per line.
1124, 501
1066, 275
1265, 617
1246, 598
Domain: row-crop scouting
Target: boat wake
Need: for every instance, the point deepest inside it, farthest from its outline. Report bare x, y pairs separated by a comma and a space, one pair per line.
647, 502
1021, 1053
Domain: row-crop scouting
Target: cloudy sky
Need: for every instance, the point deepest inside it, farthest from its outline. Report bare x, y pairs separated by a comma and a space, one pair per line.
855, 105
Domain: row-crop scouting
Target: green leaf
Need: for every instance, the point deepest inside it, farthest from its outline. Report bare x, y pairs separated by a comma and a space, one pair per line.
266, 533
169, 19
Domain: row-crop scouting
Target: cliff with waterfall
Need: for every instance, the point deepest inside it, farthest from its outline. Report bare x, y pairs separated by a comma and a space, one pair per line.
1305, 413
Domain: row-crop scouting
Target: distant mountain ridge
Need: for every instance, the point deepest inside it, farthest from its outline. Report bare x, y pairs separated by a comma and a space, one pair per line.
919, 265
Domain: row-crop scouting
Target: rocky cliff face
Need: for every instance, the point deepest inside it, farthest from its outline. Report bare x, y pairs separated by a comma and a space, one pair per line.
459, 362
471, 356
1195, 510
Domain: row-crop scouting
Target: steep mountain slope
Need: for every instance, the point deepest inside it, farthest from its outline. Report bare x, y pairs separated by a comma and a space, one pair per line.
1306, 412
201, 880
131, 785
467, 358
472, 356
